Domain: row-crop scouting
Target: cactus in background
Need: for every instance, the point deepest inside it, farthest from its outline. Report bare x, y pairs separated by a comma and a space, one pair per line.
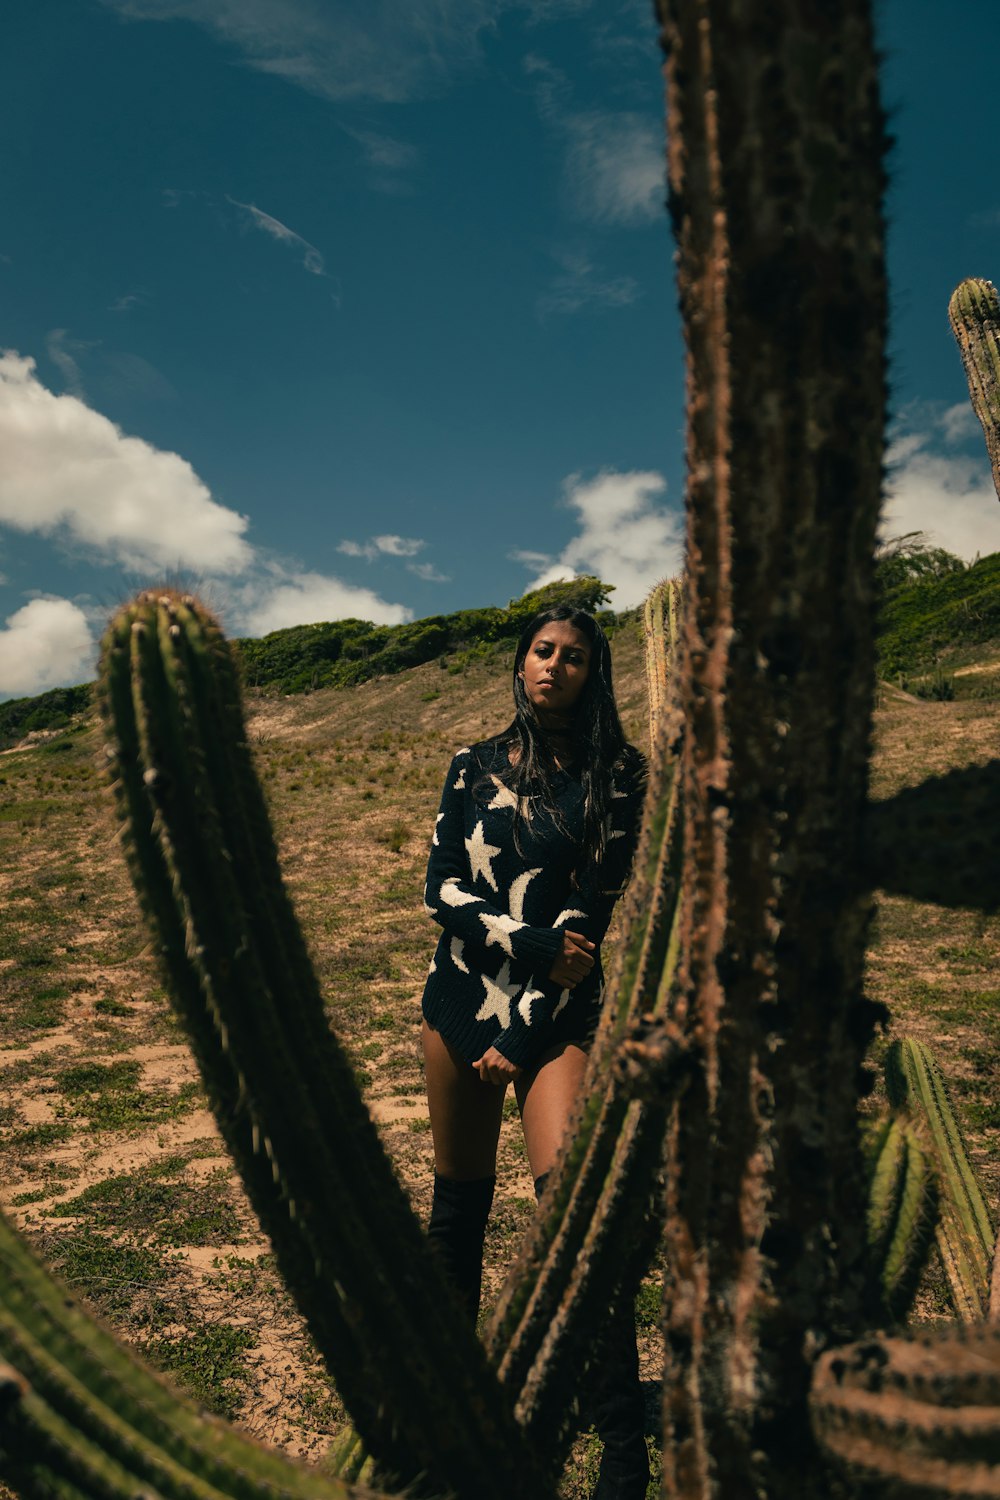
592, 1234
919, 1416
775, 155
964, 1233
203, 859
661, 624
974, 313
902, 1207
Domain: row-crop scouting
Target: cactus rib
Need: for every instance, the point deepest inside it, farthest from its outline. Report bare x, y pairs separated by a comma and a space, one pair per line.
203, 858
974, 314
964, 1233
921, 1415
902, 1202
77, 1409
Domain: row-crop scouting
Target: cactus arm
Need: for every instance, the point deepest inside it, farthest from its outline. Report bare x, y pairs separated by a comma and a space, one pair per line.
77, 1409
347, 1243
964, 1233
974, 314
661, 621
920, 1416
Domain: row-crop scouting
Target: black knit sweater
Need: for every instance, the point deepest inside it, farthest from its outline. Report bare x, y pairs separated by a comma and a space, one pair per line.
502, 910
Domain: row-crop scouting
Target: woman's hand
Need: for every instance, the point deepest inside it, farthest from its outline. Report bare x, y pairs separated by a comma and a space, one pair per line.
574, 961
493, 1067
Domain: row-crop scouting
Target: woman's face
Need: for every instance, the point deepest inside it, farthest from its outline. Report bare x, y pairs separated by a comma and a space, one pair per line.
556, 667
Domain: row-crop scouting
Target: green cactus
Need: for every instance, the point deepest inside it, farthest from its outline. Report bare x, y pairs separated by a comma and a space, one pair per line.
661, 625
974, 313
916, 1416
902, 1210
79, 1413
203, 859
964, 1233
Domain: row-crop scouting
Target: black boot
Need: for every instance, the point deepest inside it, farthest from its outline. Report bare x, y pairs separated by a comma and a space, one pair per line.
618, 1409
456, 1230
615, 1403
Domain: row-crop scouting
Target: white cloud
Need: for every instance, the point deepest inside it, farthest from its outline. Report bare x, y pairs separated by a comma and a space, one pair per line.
386, 50
69, 472
948, 495
616, 167
62, 351
291, 598
312, 259
626, 536
388, 545
428, 572
581, 284
45, 644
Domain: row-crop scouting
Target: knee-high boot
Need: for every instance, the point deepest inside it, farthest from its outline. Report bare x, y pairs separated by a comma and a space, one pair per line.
615, 1403
456, 1230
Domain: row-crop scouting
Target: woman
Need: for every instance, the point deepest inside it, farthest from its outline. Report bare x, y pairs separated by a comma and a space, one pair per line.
532, 847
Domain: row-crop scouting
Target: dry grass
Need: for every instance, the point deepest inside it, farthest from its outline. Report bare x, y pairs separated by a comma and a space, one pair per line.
112, 1163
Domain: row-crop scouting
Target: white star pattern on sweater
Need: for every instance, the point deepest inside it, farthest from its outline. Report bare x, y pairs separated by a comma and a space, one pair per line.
561, 1003
456, 955
568, 914
503, 796
481, 855
452, 894
524, 1004
499, 993
499, 929
434, 840
460, 781
518, 889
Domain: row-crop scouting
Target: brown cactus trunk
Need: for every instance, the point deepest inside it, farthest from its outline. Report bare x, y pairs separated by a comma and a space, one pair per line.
775, 162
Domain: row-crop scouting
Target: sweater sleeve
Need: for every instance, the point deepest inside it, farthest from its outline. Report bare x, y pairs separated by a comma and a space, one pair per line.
589, 912
451, 896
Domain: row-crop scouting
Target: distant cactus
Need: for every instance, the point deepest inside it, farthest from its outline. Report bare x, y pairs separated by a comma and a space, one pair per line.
974, 312
902, 1208
661, 626
964, 1233
916, 1416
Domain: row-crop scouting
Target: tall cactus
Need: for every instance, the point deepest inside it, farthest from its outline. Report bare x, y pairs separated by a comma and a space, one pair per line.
974, 313
775, 146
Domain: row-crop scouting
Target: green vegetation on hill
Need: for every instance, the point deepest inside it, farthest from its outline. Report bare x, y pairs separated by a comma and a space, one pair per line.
51, 710
346, 652
933, 609
927, 621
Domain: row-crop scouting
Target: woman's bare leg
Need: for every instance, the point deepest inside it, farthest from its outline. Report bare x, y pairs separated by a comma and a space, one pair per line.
547, 1095
465, 1112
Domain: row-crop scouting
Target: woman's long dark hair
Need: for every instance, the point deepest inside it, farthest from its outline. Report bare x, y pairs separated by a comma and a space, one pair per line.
595, 733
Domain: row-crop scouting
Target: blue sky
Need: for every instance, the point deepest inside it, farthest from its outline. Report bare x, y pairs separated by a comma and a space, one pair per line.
332, 309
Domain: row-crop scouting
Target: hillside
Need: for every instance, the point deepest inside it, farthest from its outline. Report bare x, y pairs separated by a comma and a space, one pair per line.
111, 1162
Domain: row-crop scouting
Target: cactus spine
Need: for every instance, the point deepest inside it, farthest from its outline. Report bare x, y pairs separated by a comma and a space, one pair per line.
661, 628
974, 313
203, 859
964, 1233
920, 1416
